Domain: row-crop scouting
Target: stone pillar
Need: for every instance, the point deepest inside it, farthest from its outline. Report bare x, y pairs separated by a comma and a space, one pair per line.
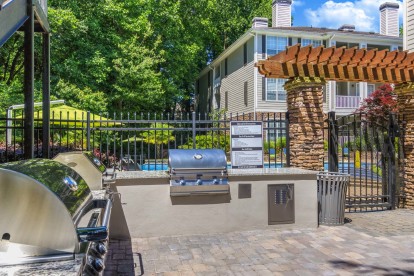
405, 94
305, 107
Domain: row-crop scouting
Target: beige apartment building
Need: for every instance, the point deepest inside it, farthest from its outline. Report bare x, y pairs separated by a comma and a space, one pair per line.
231, 81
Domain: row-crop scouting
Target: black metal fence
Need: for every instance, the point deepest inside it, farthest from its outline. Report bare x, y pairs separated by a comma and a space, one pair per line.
371, 151
140, 141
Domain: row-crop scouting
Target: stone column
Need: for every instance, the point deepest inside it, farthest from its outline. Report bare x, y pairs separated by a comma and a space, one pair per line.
405, 94
305, 107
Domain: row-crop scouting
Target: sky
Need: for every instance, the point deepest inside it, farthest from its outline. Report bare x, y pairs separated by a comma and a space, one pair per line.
364, 14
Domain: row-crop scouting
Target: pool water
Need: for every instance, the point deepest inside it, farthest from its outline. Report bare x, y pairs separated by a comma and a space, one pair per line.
364, 171
164, 167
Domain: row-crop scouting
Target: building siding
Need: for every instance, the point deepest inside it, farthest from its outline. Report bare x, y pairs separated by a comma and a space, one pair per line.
234, 83
203, 97
409, 26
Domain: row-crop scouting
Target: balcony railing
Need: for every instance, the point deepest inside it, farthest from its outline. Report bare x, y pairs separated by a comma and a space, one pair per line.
347, 101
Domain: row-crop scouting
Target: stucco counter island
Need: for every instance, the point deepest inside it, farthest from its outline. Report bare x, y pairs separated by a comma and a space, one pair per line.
281, 198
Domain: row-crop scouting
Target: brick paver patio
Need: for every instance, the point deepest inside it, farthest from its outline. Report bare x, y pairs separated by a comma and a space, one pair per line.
377, 243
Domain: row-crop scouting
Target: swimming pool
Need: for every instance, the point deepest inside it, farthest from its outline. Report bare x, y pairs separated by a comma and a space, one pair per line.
364, 171
164, 167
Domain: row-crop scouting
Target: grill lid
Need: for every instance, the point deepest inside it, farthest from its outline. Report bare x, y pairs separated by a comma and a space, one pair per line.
40, 201
196, 159
86, 164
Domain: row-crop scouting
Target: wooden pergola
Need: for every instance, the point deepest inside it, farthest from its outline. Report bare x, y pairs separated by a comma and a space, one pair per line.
341, 64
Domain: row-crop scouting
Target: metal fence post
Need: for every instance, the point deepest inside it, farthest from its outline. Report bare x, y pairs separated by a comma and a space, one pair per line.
332, 143
88, 131
287, 140
194, 130
392, 177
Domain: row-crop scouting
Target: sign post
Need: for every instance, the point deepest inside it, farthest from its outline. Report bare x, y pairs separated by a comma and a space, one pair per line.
246, 144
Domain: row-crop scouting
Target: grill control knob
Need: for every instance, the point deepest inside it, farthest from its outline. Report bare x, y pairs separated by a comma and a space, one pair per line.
215, 181
199, 182
101, 248
98, 264
182, 182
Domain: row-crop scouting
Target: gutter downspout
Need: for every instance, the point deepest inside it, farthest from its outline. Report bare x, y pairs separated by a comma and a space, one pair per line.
255, 75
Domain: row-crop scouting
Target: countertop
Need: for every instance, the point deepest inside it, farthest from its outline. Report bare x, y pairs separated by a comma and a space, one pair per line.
128, 175
64, 268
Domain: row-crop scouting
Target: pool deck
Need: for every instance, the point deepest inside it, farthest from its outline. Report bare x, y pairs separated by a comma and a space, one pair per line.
373, 243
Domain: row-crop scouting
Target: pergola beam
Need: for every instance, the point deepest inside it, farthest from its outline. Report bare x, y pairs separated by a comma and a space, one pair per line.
352, 64
377, 66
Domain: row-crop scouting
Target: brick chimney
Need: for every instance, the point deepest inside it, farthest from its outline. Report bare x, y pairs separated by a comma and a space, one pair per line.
282, 13
389, 20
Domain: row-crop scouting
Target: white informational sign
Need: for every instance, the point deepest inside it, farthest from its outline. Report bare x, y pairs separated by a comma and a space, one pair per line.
246, 144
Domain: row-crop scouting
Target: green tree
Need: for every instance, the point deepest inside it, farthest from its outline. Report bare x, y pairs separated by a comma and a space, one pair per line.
131, 55
160, 134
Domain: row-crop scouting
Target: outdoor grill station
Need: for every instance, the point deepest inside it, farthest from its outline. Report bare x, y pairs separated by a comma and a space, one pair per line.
200, 195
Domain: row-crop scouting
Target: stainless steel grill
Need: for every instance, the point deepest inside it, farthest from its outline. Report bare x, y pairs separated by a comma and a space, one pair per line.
96, 175
48, 213
202, 171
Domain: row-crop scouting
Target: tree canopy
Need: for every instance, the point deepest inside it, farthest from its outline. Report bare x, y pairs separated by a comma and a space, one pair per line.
129, 55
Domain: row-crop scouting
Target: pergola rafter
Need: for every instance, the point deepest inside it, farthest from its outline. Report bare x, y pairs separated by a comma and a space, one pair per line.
341, 64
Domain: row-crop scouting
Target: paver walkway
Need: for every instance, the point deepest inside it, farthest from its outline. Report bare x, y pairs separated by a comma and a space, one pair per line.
377, 243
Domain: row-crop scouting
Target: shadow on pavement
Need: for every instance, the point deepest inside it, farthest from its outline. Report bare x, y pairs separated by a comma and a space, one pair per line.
357, 268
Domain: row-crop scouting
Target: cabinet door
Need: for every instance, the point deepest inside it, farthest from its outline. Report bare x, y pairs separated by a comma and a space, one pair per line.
281, 202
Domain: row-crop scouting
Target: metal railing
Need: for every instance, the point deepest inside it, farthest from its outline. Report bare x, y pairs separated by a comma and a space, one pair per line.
348, 101
371, 151
134, 141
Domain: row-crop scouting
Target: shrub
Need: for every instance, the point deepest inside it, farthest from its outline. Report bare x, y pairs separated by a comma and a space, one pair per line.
277, 145
209, 141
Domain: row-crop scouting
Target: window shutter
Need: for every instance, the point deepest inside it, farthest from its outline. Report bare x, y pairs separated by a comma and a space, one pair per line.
225, 67
263, 89
245, 53
299, 40
290, 41
226, 100
263, 46
245, 93
209, 81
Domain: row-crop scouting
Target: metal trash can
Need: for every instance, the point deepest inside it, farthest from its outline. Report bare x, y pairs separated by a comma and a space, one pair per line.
331, 197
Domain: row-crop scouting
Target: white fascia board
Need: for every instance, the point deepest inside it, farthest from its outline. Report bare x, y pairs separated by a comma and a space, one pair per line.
341, 35
291, 33
368, 38
238, 43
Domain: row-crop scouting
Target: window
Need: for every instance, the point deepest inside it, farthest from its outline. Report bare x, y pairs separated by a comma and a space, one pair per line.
277, 129
371, 89
217, 72
314, 43
274, 90
276, 45
217, 97
245, 93
245, 53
